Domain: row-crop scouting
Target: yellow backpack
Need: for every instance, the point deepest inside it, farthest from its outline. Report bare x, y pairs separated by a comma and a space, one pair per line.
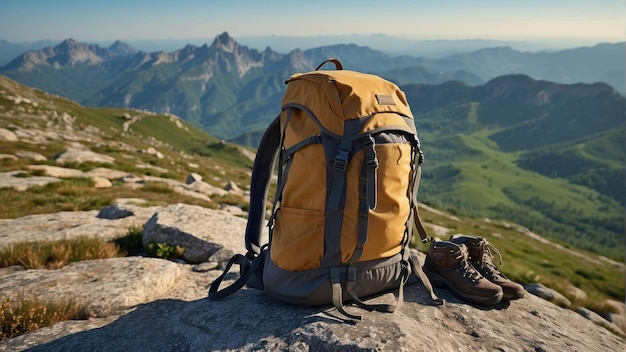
345, 203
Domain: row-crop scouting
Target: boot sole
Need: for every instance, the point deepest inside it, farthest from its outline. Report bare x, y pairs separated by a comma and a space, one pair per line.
513, 296
441, 282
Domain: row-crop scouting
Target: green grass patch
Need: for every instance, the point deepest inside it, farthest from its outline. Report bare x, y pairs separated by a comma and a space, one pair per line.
164, 250
131, 243
157, 187
226, 152
233, 199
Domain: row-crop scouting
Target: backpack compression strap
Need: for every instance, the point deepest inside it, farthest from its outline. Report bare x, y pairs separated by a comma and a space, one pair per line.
414, 217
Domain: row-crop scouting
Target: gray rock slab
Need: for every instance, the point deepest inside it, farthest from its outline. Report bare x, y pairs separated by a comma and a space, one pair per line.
8, 157
12, 180
80, 155
7, 136
24, 154
109, 174
103, 285
250, 321
48, 227
206, 189
56, 171
202, 232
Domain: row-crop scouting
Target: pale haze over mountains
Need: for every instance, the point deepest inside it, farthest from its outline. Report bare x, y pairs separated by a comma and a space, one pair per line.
571, 22
428, 28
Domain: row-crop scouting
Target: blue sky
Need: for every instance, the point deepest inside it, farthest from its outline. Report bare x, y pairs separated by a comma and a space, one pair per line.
89, 20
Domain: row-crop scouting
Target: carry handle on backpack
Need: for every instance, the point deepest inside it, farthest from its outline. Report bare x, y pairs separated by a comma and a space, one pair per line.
337, 63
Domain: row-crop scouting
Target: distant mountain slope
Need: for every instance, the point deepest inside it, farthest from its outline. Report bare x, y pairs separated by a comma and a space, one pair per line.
600, 63
24, 107
547, 155
530, 113
575, 127
10, 50
595, 161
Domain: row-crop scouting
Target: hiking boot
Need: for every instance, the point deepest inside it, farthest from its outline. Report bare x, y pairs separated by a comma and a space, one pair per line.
481, 258
447, 264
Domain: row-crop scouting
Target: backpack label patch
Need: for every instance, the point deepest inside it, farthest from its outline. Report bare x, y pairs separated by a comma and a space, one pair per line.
385, 99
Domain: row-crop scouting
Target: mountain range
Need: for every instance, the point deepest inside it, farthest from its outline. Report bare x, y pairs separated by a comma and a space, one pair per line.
535, 138
230, 89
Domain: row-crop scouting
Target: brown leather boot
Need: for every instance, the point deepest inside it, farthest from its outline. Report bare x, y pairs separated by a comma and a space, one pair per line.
447, 264
481, 258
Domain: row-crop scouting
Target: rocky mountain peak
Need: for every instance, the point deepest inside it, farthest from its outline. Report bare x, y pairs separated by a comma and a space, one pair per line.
69, 44
121, 48
299, 61
225, 42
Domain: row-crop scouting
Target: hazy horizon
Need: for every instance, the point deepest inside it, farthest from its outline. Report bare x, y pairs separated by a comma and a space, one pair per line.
97, 21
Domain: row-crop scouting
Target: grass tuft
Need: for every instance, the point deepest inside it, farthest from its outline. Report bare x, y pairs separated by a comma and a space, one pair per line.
23, 314
56, 254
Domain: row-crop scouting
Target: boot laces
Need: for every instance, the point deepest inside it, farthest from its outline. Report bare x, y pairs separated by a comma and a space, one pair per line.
467, 270
486, 259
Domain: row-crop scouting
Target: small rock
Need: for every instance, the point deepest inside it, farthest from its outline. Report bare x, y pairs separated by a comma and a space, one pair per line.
101, 182
104, 172
8, 156
231, 209
114, 212
193, 177
548, 294
231, 186
576, 293
22, 154
7, 136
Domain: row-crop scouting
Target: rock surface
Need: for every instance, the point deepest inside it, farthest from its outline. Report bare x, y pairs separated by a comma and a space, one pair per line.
147, 304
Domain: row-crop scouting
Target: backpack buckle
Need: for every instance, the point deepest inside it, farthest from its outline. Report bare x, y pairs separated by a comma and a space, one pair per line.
341, 159
420, 157
370, 152
372, 163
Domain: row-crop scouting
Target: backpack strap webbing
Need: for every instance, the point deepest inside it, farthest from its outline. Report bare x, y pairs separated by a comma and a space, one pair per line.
252, 263
247, 265
367, 201
414, 216
417, 268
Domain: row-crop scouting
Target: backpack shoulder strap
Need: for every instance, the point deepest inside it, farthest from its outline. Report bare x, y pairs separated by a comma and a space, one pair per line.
259, 185
251, 264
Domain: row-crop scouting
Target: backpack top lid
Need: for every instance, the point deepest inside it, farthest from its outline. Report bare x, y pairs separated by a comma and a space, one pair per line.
339, 95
